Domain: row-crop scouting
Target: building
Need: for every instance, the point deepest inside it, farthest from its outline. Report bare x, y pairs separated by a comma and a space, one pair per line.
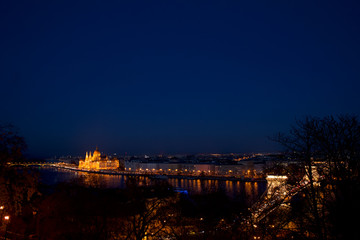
96, 161
241, 170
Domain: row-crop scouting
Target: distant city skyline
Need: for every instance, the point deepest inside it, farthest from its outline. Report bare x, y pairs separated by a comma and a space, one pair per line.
152, 77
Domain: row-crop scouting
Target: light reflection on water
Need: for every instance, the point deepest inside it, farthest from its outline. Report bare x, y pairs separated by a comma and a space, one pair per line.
233, 189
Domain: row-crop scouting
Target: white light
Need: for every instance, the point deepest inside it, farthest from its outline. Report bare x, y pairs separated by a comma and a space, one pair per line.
276, 177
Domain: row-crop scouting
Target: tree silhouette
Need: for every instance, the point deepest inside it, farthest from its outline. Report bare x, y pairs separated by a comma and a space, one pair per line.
17, 186
12, 145
332, 145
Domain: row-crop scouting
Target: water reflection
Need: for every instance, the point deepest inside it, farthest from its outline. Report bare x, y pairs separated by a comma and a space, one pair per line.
234, 189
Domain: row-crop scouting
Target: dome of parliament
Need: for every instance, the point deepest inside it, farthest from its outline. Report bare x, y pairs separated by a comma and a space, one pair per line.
96, 152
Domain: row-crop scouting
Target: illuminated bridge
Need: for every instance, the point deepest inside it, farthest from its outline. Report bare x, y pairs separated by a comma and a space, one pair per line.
28, 164
278, 193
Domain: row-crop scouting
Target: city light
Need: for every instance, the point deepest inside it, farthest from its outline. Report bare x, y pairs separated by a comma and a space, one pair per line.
231, 120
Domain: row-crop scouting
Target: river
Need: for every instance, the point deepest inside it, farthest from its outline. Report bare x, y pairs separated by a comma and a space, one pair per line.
236, 190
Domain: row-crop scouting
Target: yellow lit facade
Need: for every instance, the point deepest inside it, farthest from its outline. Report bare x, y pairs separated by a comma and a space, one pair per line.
94, 161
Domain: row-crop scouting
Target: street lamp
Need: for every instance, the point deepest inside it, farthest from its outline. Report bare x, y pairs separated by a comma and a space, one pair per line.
7, 219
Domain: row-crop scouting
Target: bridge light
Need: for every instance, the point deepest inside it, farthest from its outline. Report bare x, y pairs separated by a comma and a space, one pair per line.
276, 177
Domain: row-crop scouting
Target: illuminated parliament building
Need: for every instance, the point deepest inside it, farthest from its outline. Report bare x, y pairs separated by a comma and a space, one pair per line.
97, 162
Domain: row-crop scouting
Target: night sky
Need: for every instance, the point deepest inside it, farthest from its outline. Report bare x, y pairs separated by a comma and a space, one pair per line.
173, 76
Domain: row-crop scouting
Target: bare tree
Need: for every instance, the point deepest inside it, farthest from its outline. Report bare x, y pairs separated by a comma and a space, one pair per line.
146, 209
12, 145
17, 186
332, 145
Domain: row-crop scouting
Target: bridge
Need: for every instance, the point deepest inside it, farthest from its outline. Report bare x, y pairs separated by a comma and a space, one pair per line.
29, 164
278, 193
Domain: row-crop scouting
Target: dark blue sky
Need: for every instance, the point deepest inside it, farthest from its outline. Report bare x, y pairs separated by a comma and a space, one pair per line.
174, 76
